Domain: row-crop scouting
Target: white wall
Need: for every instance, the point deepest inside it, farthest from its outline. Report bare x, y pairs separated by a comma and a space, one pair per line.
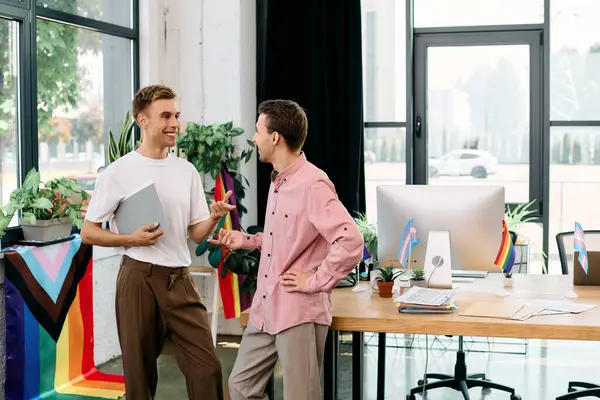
205, 50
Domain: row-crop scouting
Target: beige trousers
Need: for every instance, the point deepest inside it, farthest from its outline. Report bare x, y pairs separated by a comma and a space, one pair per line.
300, 353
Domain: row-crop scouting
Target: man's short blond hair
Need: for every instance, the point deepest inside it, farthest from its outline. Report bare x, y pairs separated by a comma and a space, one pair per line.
146, 95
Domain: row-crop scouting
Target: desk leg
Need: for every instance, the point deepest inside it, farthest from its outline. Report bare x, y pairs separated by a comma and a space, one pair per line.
381, 346
358, 343
270, 390
330, 367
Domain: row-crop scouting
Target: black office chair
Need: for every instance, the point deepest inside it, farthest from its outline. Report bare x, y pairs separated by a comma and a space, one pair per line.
460, 381
564, 241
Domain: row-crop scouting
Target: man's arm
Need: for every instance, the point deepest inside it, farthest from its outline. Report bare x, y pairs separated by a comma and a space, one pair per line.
203, 229
331, 219
93, 233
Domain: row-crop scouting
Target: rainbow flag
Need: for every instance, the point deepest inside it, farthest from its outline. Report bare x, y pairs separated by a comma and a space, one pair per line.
506, 255
233, 301
41, 363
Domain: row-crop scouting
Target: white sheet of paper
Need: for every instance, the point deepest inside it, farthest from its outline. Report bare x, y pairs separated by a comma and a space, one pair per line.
563, 306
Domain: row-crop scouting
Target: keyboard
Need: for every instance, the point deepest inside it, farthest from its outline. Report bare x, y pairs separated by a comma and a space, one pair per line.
426, 296
457, 273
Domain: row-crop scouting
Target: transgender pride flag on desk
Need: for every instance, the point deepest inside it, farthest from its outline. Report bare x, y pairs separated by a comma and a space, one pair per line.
579, 245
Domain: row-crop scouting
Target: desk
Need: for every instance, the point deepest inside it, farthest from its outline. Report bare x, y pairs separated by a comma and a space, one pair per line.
360, 312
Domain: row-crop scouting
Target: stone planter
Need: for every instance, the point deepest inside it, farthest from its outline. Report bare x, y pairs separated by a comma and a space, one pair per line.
46, 230
509, 282
420, 283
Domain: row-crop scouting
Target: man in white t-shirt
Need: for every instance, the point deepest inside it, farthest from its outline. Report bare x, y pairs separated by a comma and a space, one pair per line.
156, 297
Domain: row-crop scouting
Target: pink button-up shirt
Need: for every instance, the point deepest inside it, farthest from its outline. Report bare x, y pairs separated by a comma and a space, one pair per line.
306, 229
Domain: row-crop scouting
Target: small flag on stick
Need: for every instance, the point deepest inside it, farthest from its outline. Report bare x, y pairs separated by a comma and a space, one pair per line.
506, 255
579, 245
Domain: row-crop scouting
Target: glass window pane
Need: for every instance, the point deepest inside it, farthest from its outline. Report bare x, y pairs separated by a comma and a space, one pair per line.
385, 162
574, 183
116, 12
84, 90
9, 107
478, 117
384, 60
574, 60
434, 13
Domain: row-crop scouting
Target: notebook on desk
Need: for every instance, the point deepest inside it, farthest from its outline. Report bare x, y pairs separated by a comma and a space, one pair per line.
141, 207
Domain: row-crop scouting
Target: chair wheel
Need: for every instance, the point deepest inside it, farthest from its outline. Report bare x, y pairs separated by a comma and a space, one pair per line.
420, 382
515, 397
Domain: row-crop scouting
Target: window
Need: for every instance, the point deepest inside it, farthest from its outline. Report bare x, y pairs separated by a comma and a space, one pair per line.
84, 90
384, 87
436, 13
575, 60
575, 118
384, 60
116, 12
10, 122
81, 57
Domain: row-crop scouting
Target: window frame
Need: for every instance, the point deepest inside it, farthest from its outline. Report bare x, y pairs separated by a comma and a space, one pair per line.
26, 13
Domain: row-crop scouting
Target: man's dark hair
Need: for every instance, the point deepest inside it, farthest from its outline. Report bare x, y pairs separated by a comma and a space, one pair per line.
288, 119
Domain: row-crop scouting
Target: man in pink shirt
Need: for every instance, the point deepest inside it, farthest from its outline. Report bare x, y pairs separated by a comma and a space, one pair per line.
309, 243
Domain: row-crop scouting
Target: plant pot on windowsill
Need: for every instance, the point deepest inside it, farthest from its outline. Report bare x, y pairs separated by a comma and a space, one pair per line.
46, 230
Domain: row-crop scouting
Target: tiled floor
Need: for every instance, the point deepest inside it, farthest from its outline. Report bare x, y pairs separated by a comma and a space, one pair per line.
538, 370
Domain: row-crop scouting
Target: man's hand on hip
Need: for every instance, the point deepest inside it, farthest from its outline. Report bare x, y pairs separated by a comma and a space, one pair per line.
296, 281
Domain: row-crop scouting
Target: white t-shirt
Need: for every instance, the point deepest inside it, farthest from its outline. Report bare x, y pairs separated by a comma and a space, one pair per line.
179, 187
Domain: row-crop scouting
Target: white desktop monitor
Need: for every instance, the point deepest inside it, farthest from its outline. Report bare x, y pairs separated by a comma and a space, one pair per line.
471, 214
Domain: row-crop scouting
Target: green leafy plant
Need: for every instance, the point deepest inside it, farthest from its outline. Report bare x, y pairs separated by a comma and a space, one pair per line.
124, 145
388, 274
210, 147
369, 233
515, 219
417, 274
240, 262
518, 216
4, 222
56, 198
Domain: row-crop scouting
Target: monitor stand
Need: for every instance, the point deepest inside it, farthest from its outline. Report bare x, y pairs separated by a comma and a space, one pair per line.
438, 260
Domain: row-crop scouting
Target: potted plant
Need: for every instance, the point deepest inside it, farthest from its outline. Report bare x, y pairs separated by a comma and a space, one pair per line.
124, 145
210, 148
240, 262
385, 283
515, 219
417, 277
369, 234
49, 210
508, 279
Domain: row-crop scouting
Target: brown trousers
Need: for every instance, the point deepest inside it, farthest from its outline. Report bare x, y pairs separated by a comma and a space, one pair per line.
154, 303
300, 351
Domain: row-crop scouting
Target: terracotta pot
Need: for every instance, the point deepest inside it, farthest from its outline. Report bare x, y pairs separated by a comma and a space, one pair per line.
385, 288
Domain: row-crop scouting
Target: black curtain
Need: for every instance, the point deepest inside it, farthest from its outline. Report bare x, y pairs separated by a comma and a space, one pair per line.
310, 52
